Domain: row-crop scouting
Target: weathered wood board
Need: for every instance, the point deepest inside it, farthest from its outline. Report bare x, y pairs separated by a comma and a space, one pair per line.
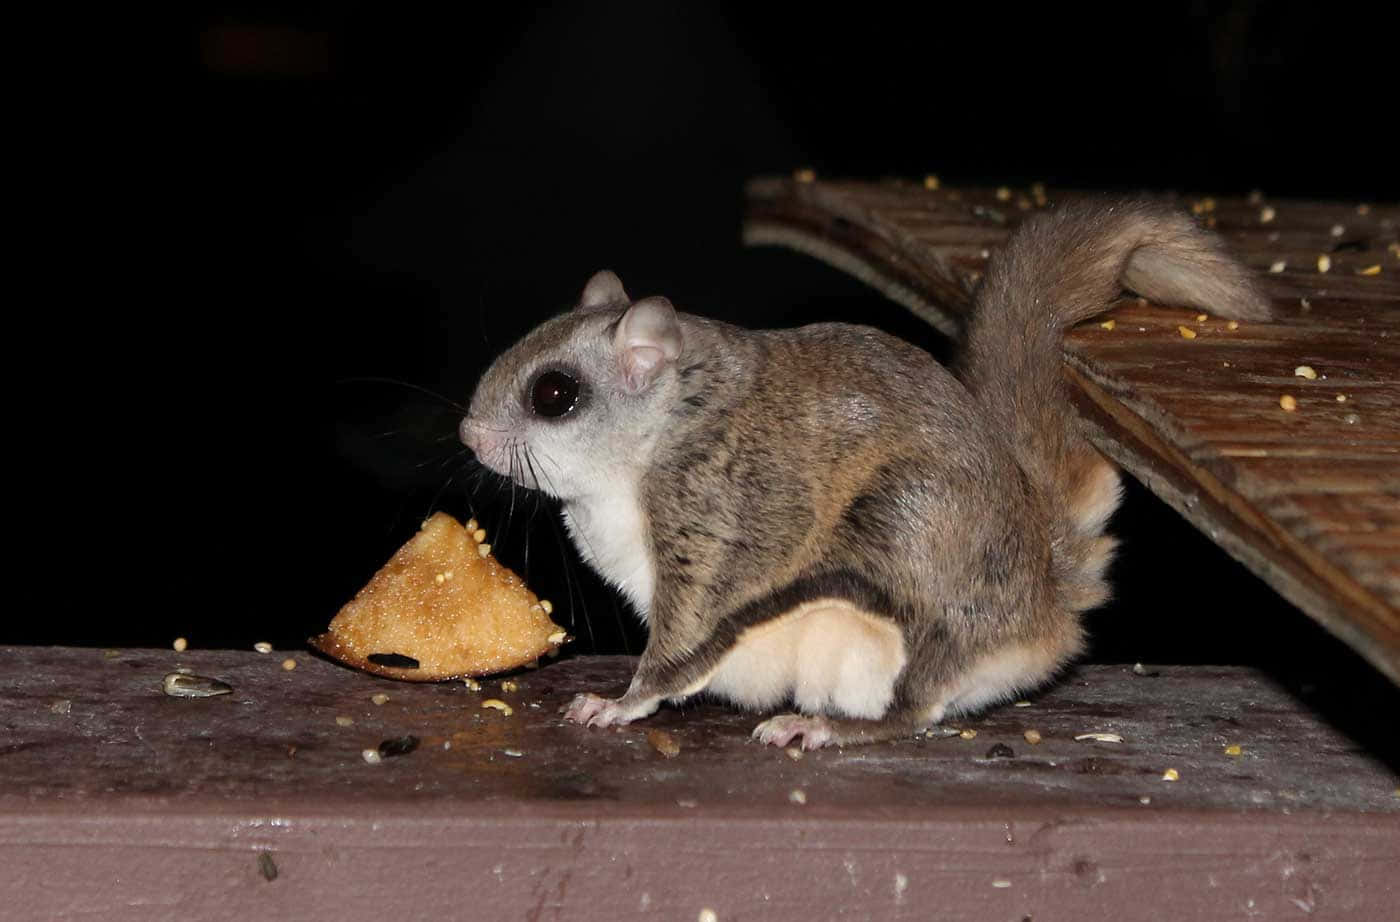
1309, 499
121, 803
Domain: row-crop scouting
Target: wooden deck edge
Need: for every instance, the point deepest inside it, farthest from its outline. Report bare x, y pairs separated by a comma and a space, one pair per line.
1198, 496
436, 864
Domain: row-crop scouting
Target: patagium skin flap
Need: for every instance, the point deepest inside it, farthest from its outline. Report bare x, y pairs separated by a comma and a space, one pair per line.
825, 518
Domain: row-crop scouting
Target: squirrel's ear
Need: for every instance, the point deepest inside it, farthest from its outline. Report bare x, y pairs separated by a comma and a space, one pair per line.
604, 288
648, 336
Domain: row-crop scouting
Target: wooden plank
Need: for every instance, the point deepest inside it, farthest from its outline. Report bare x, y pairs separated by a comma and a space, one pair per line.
122, 803
1310, 499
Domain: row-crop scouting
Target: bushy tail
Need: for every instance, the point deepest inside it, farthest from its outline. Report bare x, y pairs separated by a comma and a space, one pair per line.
1058, 269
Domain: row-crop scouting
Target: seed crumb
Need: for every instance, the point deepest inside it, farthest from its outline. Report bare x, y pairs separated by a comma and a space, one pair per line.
1324, 263
379, 698
180, 644
1341, 398
343, 721
1108, 324
797, 796
471, 525
371, 756
1305, 371
1232, 325
1171, 774
1234, 749
472, 684
479, 535
1288, 402
1278, 266
1033, 737
509, 685
499, 705
439, 579
63, 707
262, 646
289, 664
1370, 270
968, 734
794, 753
547, 605
483, 549
1186, 332
1266, 214
1202, 318
557, 637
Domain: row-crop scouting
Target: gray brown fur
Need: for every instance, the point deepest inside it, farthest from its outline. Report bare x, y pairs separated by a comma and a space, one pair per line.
772, 468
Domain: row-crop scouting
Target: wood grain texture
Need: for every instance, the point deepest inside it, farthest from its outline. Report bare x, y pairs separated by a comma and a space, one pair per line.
1308, 499
121, 803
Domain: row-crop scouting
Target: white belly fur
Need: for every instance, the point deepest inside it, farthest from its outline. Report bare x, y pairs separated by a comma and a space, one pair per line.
827, 656
610, 533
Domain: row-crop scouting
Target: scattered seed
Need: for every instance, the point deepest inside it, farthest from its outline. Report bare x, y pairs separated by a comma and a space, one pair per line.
181, 685
1305, 304
343, 721
1341, 398
1108, 324
1202, 318
558, 637
379, 698
797, 796
1099, 737
1234, 749
180, 644
1144, 799
1370, 270
1033, 737
1351, 419
1324, 263
499, 705
398, 746
931, 183
479, 535
371, 756
806, 174
1338, 230
63, 707
943, 733
1186, 332
262, 646
1001, 884
509, 685
1139, 668
707, 915
547, 605
1266, 214
1003, 194
1232, 325
472, 684
794, 753
513, 753
664, 743
1288, 402
1278, 266
483, 549
1171, 774
289, 664
967, 734
1305, 371
1001, 751
439, 579
1021, 704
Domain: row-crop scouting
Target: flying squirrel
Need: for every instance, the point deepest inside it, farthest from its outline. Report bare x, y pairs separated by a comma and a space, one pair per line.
825, 518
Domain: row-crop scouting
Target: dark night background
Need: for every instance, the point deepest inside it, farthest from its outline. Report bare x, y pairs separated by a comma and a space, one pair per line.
367, 206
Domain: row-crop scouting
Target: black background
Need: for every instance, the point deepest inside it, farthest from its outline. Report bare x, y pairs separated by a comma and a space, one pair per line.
345, 213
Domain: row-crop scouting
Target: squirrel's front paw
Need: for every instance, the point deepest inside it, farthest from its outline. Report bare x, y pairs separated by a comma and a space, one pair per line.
595, 711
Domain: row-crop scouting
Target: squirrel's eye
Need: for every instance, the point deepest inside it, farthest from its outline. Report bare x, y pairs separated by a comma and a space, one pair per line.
553, 394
